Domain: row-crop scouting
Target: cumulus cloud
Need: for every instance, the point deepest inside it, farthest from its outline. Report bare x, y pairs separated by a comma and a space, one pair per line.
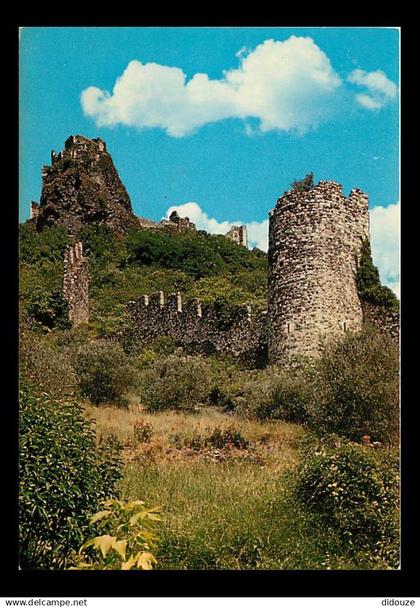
257, 231
286, 85
384, 230
385, 241
380, 89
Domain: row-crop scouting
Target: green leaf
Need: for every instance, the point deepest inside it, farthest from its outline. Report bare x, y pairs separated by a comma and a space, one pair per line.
100, 515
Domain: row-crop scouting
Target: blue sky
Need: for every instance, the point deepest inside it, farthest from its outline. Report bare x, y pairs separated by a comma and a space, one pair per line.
221, 120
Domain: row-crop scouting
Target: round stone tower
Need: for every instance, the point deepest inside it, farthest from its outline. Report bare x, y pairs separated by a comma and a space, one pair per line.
315, 238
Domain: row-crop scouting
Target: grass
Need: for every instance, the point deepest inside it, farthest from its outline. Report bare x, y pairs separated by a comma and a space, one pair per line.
222, 508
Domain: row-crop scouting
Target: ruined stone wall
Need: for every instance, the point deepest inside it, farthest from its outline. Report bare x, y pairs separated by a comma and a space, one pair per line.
239, 235
315, 238
199, 328
76, 284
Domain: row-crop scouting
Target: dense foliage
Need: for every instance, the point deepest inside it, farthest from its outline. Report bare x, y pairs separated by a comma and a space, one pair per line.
63, 477
357, 388
123, 268
175, 382
103, 371
355, 492
369, 284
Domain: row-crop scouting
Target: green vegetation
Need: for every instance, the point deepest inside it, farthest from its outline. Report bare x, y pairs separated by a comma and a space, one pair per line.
175, 382
103, 371
355, 492
132, 526
63, 477
226, 451
304, 185
369, 284
357, 388
122, 269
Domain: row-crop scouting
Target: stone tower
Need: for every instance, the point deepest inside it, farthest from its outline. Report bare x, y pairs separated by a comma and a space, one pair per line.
76, 284
315, 238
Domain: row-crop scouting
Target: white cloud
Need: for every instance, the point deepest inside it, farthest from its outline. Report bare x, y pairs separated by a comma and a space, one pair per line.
385, 242
379, 88
384, 231
286, 85
257, 231
368, 102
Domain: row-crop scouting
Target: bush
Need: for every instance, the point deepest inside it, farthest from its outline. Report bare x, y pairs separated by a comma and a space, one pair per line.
104, 372
304, 185
357, 388
63, 477
45, 364
176, 382
356, 493
48, 308
290, 396
219, 438
142, 432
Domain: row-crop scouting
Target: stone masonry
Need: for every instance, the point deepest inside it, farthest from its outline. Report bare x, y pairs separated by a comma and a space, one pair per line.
76, 284
315, 239
199, 328
239, 235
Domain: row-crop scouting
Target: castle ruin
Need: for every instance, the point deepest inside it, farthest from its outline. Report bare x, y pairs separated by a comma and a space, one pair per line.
315, 241
76, 284
239, 235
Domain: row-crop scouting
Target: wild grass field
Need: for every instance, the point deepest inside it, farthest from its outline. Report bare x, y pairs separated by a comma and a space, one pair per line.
223, 507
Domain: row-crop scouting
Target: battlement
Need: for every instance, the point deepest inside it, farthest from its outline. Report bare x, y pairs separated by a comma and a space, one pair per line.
198, 327
76, 284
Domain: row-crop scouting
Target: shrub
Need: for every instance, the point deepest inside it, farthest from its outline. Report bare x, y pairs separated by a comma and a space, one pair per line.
42, 362
357, 388
132, 527
104, 372
305, 184
218, 438
175, 382
356, 493
290, 396
48, 308
142, 432
63, 477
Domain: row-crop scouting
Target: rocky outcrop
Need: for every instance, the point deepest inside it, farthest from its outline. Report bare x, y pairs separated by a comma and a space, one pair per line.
81, 187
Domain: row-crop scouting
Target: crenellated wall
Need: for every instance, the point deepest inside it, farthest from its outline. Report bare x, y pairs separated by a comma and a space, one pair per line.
315, 238
76, 284
199, 328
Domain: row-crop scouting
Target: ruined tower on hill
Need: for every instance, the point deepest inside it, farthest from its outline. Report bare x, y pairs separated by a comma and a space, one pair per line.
315, 239
82, 186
